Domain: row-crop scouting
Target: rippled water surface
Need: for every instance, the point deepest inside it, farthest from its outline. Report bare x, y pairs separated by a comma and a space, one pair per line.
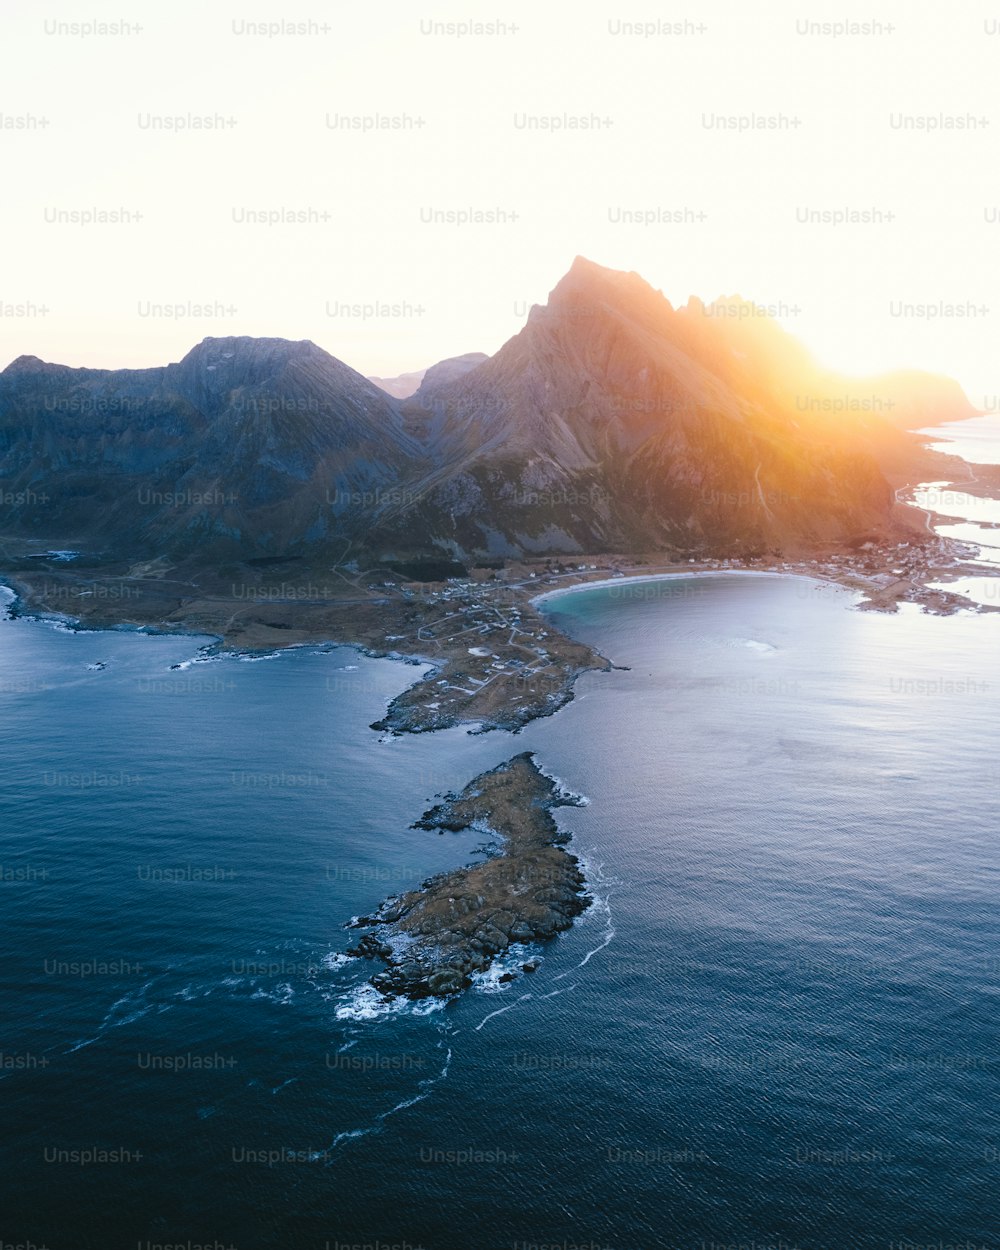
778, 1020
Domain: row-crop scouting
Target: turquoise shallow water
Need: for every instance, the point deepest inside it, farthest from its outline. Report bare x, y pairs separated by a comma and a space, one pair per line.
777, 1025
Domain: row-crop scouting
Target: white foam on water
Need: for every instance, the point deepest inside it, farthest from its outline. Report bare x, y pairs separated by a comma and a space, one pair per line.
350, 1135
192, 992
282, 994
564, 990
566, 792
610, 934
124, 1011
364, 1002
598, 911
200, 658
424, 1090
61, 627
507, 964
501, 1010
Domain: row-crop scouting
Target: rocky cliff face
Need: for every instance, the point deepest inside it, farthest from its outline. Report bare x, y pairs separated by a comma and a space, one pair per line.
612, 421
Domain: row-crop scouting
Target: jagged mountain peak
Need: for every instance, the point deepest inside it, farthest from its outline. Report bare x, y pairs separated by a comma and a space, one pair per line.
612, 420
588, 284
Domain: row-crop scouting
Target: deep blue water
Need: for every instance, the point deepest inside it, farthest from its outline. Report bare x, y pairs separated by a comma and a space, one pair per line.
778, 1023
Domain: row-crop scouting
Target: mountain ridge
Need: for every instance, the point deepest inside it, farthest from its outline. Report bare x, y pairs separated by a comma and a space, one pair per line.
610, 421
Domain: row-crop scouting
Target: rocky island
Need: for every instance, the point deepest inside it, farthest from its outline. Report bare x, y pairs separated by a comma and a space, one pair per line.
433, 939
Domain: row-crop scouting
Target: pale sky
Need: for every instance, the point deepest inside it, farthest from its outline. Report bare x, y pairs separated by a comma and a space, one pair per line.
467, 101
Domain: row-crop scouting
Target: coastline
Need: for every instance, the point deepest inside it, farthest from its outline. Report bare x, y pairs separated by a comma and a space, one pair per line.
520, 667
524, 667
494, 658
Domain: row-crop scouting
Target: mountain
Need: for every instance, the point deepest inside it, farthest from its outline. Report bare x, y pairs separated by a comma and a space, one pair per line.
447, 371
611, 421
401, 387
426, 380
916, 399
246, 444
909, 399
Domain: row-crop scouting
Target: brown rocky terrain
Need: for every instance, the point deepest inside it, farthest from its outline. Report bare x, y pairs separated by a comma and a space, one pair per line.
433, 940
615, 422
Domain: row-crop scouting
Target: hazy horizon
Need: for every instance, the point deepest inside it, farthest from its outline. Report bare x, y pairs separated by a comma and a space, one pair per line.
366, 311
814, 170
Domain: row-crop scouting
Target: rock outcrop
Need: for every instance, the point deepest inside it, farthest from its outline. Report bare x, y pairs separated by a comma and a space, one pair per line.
434, 939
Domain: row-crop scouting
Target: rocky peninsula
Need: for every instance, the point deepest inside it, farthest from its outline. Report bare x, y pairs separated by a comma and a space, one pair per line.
432, 940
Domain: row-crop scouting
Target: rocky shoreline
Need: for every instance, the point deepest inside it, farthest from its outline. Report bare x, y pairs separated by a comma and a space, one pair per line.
494, 661
434, 939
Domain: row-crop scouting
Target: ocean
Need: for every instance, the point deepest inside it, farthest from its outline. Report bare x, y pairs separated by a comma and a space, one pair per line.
776, 1025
